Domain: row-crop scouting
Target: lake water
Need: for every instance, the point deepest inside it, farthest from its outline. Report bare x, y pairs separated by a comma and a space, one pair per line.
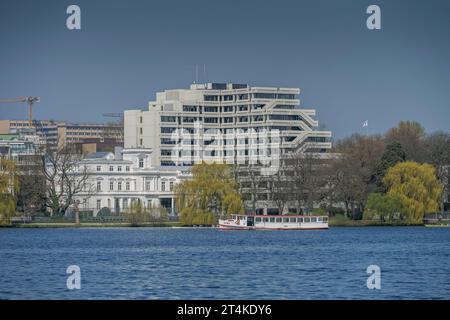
154, 263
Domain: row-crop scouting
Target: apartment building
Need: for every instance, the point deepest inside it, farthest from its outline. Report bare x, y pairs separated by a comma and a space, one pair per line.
60, 133
224, 122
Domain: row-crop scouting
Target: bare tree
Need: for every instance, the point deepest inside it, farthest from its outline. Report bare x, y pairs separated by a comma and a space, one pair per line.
355, 171
277, 186
437, 152
65, 178
303, 181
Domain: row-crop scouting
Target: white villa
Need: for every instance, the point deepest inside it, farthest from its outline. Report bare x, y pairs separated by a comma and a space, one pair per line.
127, 176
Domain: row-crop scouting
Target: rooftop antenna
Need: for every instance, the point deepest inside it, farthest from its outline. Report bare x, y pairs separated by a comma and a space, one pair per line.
204, 73
196, 73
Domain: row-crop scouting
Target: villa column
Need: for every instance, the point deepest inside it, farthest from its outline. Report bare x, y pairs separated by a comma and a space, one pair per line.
120, 204
173, 206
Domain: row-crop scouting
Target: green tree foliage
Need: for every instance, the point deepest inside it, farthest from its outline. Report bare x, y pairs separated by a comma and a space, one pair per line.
211, 193
416, 186
392, 155
383, 206
9, 188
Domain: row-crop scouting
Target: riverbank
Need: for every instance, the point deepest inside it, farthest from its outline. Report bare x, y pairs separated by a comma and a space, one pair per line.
334, 221
92, 225
340, 221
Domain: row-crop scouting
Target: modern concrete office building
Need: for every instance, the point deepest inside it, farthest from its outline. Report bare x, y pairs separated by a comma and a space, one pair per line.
218, 121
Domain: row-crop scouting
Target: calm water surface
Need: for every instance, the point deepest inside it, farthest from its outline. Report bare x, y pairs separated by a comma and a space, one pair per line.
153, 263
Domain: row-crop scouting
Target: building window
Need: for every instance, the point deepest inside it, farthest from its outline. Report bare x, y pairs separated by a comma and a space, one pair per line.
111, 168
127, 186
140, 119
211, 109
140, 142
99, 186
99, 168
171, 185
147, 185
140, 131
119, 168
119, 186
141, 163
99, 204
211, 120
190, 108
127, 168
163, 186
111, 185
168, 119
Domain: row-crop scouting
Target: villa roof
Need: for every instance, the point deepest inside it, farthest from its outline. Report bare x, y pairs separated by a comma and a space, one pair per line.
97, 155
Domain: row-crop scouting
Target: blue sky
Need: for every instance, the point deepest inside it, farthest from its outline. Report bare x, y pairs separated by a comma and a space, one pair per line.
128, 50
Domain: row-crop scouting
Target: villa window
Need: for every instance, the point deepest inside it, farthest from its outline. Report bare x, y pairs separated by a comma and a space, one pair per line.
141, 163
127, 186
171, 185
119, 168
111, 185
99, 186
99, 168
111, 168
147, 185
127, 168
163, 186
119, 186
99, 204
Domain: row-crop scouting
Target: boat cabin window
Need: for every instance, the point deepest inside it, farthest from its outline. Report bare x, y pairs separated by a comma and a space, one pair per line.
258, 219
266, 219
307, 219
272, 219
233, 217
293, 219
278, 219
319, 219
325, 219
299, 220
286, 219
313, 219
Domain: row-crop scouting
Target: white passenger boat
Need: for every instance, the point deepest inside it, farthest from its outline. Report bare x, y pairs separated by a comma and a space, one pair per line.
278, 222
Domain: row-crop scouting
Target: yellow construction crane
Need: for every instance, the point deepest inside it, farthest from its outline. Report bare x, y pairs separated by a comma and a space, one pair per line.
29, 100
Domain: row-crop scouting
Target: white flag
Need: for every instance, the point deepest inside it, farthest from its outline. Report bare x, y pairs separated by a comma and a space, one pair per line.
365, 123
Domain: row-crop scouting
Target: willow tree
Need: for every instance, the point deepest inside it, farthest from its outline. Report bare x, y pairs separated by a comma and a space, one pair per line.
210, 194
9, 188
416, 186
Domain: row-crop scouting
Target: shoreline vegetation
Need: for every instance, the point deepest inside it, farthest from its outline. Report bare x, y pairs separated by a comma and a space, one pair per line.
334, 221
